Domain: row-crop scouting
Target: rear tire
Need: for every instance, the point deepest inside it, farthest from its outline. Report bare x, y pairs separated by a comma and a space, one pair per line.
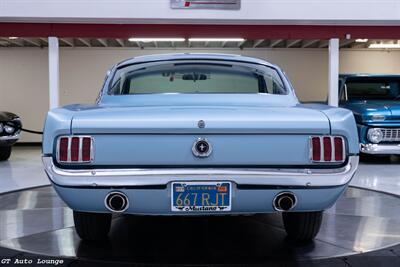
5, 152
302, 226
92, 226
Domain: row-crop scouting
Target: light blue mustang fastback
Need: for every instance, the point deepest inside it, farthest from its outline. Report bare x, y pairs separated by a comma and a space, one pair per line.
375, 102
199, 134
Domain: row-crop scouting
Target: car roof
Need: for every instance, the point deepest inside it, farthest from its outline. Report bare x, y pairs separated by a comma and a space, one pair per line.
356, 75
185, 56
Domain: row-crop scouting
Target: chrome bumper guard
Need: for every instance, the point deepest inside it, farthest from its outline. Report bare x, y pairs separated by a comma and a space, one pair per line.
249, 176
380, 149
14, 137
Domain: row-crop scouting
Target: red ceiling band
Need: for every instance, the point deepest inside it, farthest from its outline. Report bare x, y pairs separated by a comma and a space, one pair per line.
197, 30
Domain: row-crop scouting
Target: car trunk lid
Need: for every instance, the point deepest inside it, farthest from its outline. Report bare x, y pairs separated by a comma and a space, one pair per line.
164, 136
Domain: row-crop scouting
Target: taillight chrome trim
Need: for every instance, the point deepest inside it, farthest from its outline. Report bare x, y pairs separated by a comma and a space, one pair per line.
332, 142
80, 159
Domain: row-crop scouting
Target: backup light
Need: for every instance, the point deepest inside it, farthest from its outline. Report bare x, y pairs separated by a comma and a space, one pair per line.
149, 40
361, 40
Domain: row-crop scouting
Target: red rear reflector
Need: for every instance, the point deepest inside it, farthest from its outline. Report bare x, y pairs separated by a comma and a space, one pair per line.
75, 149
327, 149
86, 148
316, 149
63, 149
338, 149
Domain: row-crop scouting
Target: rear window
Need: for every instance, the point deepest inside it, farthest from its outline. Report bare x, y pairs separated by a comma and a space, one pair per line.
196, 78
372, 89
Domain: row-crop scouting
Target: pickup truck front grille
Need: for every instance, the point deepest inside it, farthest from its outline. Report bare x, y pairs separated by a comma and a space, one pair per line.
391, 135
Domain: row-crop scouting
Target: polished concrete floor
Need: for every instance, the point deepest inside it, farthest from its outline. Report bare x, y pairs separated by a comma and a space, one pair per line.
37, 221
24, 169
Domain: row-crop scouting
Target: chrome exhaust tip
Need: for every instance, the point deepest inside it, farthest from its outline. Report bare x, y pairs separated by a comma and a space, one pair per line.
116, 202
284, 201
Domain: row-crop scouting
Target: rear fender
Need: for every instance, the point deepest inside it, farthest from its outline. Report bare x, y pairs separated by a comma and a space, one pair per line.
58, 122
342, 123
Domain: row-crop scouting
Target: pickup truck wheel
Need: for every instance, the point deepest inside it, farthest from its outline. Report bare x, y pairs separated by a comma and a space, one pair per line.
302, 226
5, 152
92, 226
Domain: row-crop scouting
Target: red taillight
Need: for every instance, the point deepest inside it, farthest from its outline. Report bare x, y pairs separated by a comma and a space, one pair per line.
338, 148
86, 148
316, 149
327, 149
75, 149
63, 149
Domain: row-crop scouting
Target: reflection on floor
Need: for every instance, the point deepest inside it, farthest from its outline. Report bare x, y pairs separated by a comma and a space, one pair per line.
24, 169
380, 174
37, 221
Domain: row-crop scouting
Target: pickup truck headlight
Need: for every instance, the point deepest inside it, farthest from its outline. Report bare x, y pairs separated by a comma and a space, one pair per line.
375, 135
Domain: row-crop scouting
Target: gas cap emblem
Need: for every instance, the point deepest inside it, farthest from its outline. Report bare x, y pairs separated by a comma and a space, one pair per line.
202, 148
201, 124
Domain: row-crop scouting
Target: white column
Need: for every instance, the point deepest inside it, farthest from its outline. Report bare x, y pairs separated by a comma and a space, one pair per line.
333, 76
54, 97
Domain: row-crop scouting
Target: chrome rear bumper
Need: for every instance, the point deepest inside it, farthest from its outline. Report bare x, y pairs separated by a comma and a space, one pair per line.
251, 176
380, 149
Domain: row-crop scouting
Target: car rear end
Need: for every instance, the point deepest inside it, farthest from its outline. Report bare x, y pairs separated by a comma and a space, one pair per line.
257, 160
202, 153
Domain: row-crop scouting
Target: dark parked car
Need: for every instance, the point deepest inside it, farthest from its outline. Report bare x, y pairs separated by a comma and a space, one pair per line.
10, 128
375, 102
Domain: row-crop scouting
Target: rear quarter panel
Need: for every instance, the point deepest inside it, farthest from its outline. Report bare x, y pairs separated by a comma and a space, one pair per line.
58, 122
342, 123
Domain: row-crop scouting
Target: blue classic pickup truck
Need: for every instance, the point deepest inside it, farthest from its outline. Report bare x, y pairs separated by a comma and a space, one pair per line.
199, 134
375, 102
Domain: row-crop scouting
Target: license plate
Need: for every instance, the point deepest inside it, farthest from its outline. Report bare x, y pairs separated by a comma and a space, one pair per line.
201, 196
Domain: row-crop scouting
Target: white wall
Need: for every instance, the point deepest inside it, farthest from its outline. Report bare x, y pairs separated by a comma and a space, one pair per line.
24, 78
82, 70
156, 11
24, 86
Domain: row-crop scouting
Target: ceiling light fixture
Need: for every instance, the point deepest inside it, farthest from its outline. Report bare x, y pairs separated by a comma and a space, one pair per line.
387, 46
361, 40
216, 39
12, 38
149, 40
